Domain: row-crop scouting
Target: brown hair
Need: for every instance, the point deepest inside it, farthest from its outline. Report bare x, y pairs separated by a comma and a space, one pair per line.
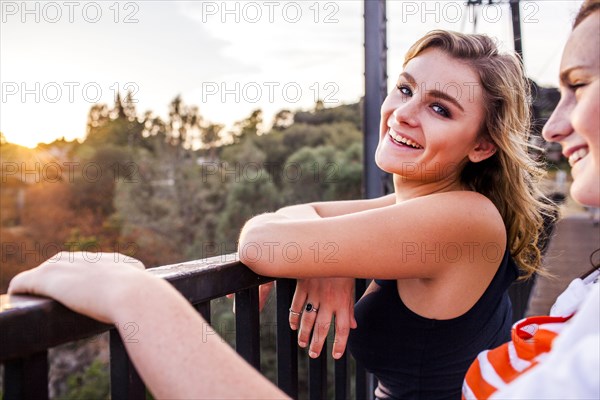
587, 8
508, 178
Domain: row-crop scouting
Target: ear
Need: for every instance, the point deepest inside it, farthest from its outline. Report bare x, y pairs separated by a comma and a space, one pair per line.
484, 149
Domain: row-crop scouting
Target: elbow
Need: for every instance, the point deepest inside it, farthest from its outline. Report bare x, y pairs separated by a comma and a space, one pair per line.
253, 251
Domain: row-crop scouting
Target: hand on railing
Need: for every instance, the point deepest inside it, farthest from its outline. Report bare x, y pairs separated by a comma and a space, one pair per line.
315, 302
87, 283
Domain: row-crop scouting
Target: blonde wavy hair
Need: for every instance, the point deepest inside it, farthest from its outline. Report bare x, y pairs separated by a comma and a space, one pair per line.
509, 177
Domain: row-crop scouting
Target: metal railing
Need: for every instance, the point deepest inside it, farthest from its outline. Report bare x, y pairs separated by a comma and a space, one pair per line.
29, 326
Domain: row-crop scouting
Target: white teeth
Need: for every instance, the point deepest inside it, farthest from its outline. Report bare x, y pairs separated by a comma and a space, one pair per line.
577, 155
398, 138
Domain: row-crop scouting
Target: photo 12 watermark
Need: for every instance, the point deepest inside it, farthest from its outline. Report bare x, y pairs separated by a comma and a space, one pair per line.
453, 12
315, 172
290, 252
54, 252
64, 92
268, 92
69, 171
253, 12
53, 12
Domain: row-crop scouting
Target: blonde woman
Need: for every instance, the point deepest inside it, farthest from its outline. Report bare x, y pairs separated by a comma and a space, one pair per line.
441, 248
454, 136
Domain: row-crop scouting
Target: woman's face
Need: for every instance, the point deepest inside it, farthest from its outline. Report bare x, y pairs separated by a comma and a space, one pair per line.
430, 121
575, 123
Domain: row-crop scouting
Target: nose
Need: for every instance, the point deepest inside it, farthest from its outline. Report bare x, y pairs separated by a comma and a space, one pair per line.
406, 111
559, 126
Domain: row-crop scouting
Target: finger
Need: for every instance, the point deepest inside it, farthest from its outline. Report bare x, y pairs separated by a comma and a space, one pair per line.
342, 330
21, 283
320, 331
297, 305
306, 323
263, 294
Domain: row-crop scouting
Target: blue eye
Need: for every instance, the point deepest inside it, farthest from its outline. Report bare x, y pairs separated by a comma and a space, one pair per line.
405, 90
438, 109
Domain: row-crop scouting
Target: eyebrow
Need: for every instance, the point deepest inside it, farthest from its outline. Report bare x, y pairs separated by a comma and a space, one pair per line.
434, 93
564, 75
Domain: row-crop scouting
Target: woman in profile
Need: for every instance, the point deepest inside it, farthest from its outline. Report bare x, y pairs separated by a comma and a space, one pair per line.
443, 248
558, 356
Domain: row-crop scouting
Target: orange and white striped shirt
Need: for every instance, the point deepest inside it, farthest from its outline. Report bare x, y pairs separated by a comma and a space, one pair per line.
494, 369
532, 344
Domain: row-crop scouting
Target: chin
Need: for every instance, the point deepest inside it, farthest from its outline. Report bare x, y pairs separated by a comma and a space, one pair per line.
586, 190
378, 158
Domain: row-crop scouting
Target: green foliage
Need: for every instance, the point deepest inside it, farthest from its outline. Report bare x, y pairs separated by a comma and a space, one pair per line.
323, 173
118, 126
97, 173
246, 197
139, 183
350, 112
92, 383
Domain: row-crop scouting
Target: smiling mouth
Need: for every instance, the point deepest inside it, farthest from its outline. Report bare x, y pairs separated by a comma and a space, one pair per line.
401, 140
577, 155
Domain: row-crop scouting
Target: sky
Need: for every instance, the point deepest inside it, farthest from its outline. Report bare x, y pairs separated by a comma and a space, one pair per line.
229, 58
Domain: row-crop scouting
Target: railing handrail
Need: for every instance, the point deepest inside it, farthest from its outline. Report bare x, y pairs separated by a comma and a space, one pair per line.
29, 324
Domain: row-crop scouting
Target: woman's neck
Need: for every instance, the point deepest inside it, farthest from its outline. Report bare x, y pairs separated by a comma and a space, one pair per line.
406, 189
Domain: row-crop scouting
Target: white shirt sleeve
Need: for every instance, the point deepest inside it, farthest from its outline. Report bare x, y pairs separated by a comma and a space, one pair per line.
572, 369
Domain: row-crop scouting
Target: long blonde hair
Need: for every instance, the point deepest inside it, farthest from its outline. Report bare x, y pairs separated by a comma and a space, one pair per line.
509, 177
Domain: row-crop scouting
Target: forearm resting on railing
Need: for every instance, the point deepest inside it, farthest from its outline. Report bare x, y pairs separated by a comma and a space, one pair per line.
176, 357
172, 351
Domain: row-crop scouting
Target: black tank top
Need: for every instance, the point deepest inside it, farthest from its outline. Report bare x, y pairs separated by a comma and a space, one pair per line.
419, 358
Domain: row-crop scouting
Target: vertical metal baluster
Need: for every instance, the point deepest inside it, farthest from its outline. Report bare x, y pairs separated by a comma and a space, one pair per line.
361, 373
125, 382
204, 310
247, 326
287, 340
342, 378
317, 375
27, 377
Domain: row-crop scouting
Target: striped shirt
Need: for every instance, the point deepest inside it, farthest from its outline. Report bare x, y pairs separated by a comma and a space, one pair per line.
532, 341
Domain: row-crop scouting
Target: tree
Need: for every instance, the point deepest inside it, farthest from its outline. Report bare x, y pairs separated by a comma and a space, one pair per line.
118, 126
210, 136
184, 124
283, 119
249, 127
245, 199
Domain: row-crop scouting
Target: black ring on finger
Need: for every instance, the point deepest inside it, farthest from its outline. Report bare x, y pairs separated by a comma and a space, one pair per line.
310, 308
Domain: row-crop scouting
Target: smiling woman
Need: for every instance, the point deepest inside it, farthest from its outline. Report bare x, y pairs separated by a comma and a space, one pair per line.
454, 135
558, 356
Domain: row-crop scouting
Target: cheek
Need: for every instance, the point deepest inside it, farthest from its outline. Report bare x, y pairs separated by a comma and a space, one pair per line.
586, 123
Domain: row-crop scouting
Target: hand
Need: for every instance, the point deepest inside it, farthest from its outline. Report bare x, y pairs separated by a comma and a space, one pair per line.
330, 296
88, 283
263, 294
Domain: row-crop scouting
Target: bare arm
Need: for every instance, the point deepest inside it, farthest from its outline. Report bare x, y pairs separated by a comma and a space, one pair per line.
177, 354
390, 242
328, 209
336, 208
